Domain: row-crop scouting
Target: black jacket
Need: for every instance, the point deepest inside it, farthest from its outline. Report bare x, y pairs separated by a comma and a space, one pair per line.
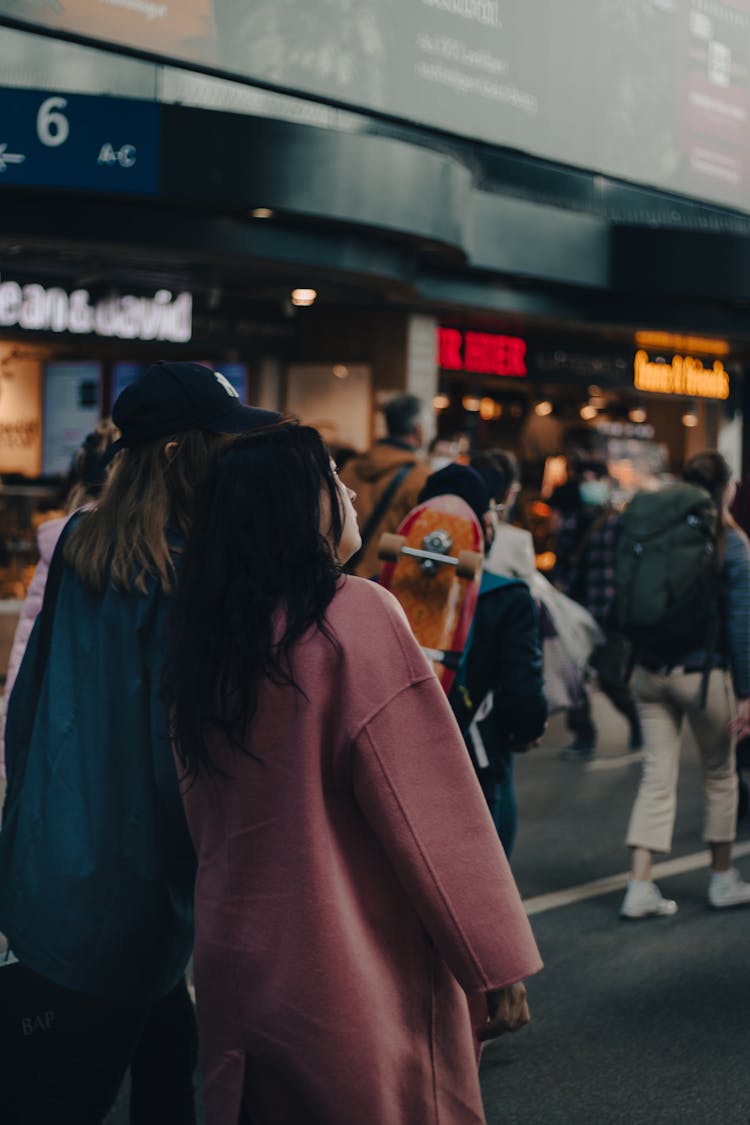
498, 697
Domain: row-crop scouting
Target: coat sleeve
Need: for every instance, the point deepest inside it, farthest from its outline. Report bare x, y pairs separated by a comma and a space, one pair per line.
414, 782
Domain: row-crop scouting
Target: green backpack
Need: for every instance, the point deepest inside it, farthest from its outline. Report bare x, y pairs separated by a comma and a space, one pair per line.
667, 573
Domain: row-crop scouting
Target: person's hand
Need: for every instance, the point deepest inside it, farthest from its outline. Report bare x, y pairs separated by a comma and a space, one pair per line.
740, 724
507, 1009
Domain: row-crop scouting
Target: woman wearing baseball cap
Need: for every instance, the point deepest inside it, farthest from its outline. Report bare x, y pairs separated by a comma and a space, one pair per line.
96, 863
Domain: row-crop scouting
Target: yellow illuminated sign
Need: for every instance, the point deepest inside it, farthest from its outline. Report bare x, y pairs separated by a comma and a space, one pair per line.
685, 375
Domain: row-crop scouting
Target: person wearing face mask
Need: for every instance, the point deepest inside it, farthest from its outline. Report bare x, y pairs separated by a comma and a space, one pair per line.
585, 571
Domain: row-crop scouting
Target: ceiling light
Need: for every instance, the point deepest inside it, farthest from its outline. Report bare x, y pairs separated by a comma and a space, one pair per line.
588, 412
690, 419
303, 298
261, 213
543, 408
340, 370
471, 403
441, 402
637, 414
489, 410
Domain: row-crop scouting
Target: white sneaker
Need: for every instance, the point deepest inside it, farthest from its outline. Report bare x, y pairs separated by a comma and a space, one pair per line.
645, 900
728, 888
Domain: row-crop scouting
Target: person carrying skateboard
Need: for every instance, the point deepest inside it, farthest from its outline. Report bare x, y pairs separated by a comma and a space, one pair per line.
498, 695
387, 479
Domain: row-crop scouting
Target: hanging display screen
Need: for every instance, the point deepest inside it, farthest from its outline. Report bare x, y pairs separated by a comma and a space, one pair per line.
652, 91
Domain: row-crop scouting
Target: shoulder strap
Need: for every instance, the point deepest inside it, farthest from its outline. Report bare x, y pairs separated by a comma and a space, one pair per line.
379, 510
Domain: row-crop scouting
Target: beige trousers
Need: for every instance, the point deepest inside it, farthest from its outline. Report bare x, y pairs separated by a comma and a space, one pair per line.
665, 700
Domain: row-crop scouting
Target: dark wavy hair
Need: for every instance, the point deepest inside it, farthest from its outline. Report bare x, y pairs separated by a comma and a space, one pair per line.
711, 471
255, 557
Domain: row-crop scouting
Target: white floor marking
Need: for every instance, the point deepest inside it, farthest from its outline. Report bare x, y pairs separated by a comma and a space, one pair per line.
539, 903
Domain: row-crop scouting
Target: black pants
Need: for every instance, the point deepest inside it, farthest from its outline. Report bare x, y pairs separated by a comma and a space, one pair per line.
63, 1056
609, 661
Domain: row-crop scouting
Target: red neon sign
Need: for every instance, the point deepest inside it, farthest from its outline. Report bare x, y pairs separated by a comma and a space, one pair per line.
481, 352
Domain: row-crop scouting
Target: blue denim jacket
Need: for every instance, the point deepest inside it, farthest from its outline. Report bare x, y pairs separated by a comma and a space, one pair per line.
734, 611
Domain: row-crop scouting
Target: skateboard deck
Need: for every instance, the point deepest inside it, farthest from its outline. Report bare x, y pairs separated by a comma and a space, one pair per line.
433, 565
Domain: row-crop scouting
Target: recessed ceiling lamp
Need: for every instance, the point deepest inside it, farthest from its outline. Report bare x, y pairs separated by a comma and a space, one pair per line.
303, 298
543, 408
261, 213
340, 370
441, 402
637, 414
471, 403
588, 412
690, 418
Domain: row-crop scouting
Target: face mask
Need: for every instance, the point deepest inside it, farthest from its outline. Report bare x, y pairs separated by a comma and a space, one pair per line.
595, 492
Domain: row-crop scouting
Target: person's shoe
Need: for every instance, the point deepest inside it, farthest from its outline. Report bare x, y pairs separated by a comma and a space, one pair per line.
643, 899
728, 888
578, 752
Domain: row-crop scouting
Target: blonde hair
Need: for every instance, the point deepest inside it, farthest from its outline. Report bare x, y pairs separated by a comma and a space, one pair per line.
122, 539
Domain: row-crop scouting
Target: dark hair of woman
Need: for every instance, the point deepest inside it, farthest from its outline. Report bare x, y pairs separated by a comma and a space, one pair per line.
499, 470
711, 471
258, 572
123, 539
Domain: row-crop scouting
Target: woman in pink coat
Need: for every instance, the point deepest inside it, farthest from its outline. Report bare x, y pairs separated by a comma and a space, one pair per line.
356, 919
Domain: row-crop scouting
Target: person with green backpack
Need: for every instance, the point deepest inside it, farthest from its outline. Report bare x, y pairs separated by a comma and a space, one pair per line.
683, 599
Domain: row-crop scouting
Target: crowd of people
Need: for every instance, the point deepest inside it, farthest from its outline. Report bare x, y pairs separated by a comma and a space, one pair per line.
224, 742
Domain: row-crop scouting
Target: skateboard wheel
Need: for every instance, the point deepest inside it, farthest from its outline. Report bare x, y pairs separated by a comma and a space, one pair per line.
391, 546
469, 564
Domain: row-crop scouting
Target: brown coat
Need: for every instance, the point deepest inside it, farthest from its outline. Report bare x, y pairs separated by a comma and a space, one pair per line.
370, 475
351, 892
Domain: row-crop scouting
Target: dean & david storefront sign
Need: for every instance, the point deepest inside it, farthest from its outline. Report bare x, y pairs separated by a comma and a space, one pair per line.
35, 308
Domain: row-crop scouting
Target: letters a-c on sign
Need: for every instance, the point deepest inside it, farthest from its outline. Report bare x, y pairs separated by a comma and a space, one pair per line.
484, 353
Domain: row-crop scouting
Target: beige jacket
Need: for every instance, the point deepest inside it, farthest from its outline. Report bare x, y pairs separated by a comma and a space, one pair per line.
370, 475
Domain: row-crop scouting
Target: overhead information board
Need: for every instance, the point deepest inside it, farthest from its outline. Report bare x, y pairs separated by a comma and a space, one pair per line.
79, 141
653, 91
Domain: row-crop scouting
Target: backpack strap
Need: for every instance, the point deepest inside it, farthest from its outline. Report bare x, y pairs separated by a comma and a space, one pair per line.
379, 511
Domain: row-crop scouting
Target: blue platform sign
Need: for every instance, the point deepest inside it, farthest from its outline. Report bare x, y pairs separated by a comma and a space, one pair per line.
50, 139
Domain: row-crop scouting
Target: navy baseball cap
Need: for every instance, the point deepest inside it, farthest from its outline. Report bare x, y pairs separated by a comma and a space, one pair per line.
171, 398
458, 480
